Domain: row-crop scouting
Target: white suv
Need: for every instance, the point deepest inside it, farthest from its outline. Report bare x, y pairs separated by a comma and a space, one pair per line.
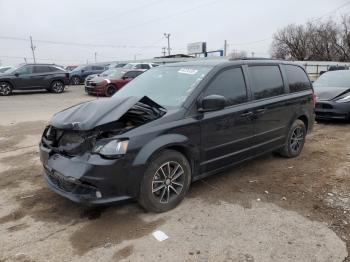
140, 65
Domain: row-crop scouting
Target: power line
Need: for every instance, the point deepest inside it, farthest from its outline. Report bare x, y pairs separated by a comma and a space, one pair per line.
252, 42
77, 44
331, 12
118, 15
176, 14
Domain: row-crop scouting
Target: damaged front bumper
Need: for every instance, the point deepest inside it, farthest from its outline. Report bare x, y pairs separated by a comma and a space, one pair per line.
89, 178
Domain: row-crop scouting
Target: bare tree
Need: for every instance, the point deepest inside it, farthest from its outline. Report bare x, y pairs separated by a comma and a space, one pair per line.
290, 42
317, 40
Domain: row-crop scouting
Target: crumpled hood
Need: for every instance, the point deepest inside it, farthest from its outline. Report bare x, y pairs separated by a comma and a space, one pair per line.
89, 115
329, 93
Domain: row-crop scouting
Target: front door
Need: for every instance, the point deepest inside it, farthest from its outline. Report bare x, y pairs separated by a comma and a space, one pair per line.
23, 79
227, 135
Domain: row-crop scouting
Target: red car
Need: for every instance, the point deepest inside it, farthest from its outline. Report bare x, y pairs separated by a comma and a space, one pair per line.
110, 81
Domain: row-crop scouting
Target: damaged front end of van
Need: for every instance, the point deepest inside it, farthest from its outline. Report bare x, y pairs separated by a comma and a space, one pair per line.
87, 153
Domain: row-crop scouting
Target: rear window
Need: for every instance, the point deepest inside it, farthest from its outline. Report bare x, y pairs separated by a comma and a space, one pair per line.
266, 81
297, 79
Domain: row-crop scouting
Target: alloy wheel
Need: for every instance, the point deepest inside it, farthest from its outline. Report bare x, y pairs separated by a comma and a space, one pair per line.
57, 87
5, 89
168, 182
76, 81
297, 139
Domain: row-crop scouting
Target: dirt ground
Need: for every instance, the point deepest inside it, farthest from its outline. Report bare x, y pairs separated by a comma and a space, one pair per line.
268, 209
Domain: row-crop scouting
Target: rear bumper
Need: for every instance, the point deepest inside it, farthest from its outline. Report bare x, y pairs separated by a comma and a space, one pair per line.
332, 110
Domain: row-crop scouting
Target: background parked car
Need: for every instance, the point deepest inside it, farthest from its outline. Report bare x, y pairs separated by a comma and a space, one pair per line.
33, 76
117, 65
79, 74
3, 69
70, 67
111, 81
140, 65
332, 91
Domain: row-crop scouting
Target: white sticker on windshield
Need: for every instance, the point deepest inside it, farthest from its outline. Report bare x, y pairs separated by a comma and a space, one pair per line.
188, 71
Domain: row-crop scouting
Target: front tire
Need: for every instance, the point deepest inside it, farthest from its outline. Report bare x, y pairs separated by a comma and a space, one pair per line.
5, 89
57, 87
75, 80
111, 90
295, 140
165, 182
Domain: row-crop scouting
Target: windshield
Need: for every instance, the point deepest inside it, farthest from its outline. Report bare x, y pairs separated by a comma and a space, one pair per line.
333, 79
108, 72
167, 86
13, 69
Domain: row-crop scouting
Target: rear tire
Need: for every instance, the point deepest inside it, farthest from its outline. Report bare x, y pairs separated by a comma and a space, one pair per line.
57, 87
5, 89
295, 140
165, 182
111, 90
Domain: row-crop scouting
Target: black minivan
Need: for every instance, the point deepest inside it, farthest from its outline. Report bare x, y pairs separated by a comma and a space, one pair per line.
175, 124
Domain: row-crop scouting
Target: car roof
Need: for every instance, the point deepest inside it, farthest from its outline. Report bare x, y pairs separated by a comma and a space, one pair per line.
228, 62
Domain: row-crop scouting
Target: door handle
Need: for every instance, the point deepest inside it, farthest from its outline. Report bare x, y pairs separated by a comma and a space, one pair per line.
247, 114
260, 111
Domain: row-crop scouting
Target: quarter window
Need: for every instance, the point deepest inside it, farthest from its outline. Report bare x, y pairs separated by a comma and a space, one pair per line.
230, 84
297, 79
266, 81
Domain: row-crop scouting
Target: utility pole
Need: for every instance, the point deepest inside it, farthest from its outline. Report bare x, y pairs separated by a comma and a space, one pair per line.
225, 48
25, 60
33, 48
168, 37
95, 57
135, 56
163, 51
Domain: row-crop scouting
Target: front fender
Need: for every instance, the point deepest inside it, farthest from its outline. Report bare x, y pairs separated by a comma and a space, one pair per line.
157, 144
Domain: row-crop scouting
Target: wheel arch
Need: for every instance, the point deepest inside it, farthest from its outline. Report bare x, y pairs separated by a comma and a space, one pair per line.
305, 120
176, 142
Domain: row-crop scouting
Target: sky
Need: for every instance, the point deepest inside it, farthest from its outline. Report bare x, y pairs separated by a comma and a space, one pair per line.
72, 31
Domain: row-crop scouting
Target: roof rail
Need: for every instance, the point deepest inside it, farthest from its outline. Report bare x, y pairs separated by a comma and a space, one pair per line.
252, 58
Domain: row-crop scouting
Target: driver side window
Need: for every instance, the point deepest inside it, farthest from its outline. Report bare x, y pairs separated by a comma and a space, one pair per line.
25, 70
230, 84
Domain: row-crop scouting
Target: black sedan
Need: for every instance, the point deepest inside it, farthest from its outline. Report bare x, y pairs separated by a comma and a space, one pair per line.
332, 91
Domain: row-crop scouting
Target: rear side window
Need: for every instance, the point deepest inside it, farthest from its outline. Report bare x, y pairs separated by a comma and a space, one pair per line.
297, 79
56, 69
230, 84
41, 69
266, 81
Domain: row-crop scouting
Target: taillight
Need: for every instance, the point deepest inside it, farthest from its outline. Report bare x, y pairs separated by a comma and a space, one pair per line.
314, 99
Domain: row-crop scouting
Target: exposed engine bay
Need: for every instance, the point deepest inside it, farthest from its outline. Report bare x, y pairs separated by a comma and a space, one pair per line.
72, 141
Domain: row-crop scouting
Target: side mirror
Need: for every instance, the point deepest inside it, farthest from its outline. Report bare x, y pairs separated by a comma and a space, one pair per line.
82, 70
16, 74
125, 77
212, 103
